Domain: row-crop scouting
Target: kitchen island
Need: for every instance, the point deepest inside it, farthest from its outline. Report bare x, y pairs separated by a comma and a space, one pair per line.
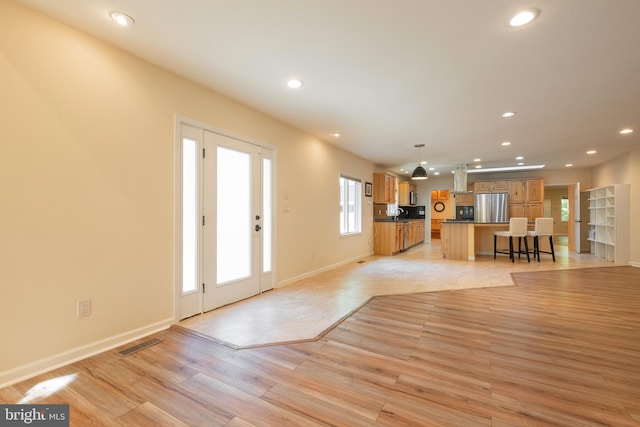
463, 240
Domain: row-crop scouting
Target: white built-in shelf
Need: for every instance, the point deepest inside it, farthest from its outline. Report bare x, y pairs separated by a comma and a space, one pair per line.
609, 222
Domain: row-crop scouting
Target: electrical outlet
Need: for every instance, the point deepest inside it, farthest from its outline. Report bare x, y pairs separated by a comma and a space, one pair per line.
84, 308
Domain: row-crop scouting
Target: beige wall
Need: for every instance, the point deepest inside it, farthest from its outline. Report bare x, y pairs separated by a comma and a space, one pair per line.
86, 181
625, 170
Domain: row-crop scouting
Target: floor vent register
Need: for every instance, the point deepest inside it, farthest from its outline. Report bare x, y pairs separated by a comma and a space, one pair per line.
135, 348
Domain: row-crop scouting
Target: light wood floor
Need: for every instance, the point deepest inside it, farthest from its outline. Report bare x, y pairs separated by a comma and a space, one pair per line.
561, 347
307, 309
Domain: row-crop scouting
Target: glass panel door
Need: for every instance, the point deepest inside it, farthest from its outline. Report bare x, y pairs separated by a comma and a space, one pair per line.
234, 220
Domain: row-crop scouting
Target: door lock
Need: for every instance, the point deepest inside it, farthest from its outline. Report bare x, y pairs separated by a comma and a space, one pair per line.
258, 228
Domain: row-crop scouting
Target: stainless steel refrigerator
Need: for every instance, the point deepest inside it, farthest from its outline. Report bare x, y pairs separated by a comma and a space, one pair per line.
492, 207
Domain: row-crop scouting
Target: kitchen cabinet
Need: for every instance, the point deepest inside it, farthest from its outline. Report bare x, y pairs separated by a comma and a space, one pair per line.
535, 190
416, 232
609, 222
388, 236
384, 188
491, 186
530, 210
458, 241
439, 195
517, 191
526, 198
404, 190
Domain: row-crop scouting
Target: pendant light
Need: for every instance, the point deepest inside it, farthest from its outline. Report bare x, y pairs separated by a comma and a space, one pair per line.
419, 172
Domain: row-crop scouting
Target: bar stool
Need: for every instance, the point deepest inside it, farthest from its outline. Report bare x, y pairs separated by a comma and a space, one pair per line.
543, 228
517, 228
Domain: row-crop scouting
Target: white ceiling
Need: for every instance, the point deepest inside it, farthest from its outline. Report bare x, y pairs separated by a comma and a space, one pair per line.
391, 74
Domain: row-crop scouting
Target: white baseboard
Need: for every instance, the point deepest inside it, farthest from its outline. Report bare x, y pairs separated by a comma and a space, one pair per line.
321, 270
30, 370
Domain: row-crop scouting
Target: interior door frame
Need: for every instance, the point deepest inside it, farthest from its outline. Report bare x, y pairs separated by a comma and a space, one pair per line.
180, 121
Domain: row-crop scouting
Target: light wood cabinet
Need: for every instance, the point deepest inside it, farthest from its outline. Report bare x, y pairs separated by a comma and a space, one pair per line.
385, 238
384, 188
491, 186
534, 210
416, 232
458, 241
499, 186
388, 236
517, 191
526, 198
404, 188
535, 190
530, 210
482, 187
439, 195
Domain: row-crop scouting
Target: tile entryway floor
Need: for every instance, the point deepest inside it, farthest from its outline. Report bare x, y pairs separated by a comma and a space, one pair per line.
306, 309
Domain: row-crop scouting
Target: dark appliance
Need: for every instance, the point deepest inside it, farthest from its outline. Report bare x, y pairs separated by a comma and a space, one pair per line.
464, 213
413, 198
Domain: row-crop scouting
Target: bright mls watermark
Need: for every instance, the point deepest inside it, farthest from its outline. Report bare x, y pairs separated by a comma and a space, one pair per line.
34, 415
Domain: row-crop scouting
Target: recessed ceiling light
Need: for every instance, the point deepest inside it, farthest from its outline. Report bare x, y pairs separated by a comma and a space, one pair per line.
478, 166
523, 17
520, 158
436, 173
626, 131
508, 114
424, 162
432, 169
520, 164
477, 160
122, 19
506, 143
568, 165
294, 83
336, 135
591, 152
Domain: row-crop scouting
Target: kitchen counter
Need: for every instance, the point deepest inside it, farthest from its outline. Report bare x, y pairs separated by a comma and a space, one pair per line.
464, 240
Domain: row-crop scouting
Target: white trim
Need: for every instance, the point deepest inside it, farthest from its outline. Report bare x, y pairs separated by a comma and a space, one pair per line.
41, 366
321, 270
182, 120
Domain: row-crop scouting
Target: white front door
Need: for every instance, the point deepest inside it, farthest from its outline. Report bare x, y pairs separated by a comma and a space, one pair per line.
234, 220
226, 220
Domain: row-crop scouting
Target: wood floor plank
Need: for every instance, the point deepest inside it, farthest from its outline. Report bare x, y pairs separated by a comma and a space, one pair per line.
560, 348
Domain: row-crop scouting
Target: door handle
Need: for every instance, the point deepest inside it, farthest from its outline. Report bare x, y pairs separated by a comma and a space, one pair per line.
258, 228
